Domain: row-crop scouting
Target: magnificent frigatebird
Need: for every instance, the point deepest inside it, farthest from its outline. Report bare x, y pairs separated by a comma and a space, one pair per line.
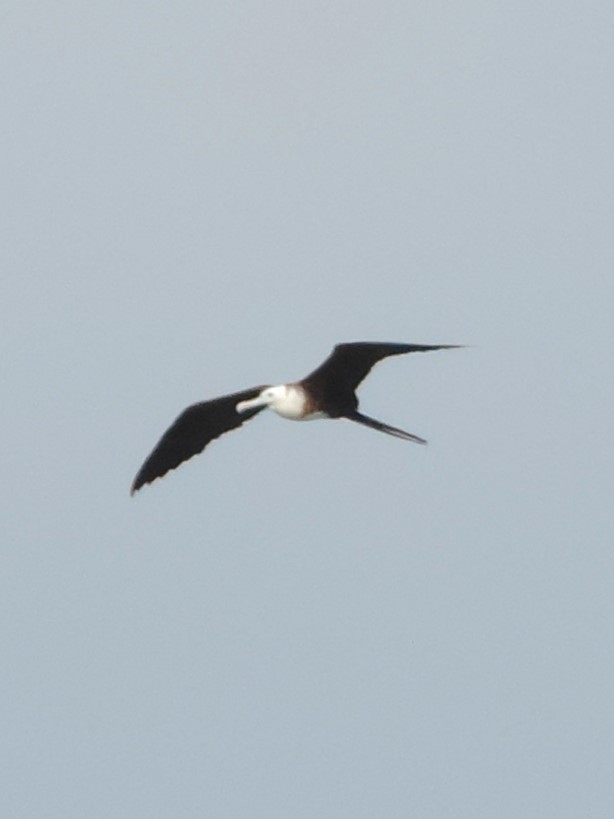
328, 392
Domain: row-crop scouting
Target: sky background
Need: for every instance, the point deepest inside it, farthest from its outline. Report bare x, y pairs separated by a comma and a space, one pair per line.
309, 620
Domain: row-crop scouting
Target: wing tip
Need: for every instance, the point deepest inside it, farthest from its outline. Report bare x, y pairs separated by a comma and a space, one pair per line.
139, 482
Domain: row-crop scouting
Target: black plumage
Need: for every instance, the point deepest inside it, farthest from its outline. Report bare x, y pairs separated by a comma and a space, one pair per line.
334, 382
330, 391
197, 426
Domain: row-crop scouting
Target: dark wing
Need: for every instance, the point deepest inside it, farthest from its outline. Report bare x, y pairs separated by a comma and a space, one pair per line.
192, 431
348, 364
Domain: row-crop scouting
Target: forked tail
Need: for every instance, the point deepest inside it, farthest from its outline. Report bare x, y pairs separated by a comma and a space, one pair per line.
371, 422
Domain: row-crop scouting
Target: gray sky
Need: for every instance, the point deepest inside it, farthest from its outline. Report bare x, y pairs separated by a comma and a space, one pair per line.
309, 620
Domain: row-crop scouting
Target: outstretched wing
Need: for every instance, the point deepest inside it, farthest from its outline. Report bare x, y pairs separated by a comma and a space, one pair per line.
192, 431
349, 363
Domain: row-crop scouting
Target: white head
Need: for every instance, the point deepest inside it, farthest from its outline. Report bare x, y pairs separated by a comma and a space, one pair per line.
287, 400
269, 397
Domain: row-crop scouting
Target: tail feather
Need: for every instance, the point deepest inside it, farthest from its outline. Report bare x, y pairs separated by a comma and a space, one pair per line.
379, 425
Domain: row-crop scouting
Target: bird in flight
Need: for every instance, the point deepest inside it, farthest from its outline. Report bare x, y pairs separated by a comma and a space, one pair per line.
328, 392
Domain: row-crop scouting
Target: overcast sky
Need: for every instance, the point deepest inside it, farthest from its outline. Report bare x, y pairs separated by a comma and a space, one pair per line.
308, 620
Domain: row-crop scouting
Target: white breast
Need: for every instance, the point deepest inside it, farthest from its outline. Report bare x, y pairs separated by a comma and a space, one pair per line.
290, 403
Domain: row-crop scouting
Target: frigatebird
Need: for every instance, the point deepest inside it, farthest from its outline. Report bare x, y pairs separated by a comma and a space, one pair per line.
328, 392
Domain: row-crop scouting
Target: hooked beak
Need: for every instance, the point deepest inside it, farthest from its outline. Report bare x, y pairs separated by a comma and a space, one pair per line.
251, 403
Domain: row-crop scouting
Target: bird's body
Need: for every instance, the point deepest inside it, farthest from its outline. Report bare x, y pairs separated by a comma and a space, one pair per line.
328, 392
291, 401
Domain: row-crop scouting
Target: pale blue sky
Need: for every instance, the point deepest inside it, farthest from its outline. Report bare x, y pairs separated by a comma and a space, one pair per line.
309, 620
